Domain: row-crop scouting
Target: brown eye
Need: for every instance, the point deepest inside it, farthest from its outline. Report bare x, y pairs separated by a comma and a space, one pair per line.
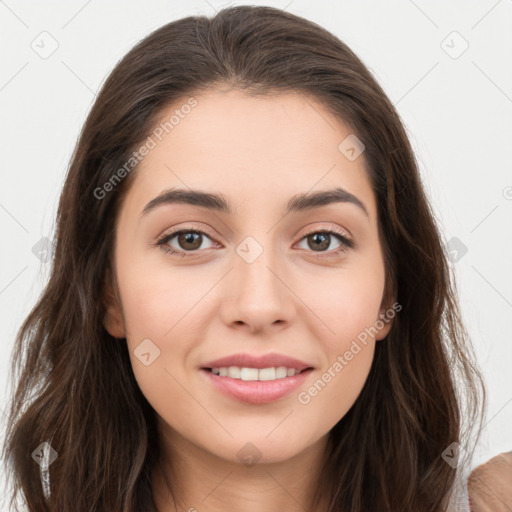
187, 240
318, 241
190, 240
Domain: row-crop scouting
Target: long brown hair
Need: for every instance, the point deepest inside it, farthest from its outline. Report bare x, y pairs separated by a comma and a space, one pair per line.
75, 388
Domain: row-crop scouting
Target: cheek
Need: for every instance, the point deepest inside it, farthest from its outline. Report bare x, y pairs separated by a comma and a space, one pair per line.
160, 336
157, 313
347, 304
331, 395
350, 312
155, 302
349, 355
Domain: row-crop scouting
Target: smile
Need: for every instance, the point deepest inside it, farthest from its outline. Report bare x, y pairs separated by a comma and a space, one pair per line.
244, 373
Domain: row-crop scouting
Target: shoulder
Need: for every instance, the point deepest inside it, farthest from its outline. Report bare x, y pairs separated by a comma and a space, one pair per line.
490, 485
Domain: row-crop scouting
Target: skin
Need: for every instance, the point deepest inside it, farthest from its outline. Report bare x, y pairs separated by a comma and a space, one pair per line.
293, 299
490, 485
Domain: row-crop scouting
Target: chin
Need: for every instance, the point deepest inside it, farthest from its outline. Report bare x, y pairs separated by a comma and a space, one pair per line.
249, 450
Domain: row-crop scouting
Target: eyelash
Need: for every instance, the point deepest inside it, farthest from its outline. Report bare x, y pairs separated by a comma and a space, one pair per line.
346, 243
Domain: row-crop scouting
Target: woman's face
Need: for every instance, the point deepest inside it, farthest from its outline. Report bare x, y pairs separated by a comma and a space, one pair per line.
259, 280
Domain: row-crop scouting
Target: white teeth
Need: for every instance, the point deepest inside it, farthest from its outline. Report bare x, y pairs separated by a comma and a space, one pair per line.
267, 374
263, 374
282, 372
249, 373
234, 372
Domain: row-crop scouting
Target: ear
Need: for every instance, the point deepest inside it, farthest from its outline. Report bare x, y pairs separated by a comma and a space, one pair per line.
386, 320
389, 308
113, 320
383, 323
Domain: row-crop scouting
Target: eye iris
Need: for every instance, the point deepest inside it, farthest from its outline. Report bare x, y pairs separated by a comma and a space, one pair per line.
194, 238
322, 238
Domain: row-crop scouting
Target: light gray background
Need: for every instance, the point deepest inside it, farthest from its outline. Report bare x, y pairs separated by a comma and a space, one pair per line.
456, 105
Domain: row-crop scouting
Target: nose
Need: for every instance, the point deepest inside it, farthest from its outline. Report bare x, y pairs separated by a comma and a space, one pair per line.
258, 296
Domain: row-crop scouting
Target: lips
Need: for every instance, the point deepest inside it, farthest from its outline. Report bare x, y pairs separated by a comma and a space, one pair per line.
293, 374
264, 361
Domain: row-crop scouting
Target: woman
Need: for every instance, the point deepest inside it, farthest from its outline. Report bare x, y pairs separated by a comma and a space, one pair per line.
190, 352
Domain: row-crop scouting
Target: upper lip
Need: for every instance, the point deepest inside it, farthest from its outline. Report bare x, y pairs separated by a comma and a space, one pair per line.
263, 361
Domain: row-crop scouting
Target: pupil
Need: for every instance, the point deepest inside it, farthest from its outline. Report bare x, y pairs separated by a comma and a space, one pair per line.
188, 238
317, 237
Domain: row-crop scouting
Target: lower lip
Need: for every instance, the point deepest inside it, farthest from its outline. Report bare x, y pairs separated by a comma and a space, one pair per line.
257, 391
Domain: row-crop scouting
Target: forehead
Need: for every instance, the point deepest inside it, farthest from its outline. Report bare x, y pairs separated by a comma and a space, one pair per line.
249, 147
231, 122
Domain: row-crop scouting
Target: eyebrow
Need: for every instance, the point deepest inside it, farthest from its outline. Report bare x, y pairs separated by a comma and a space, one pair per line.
215, 202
